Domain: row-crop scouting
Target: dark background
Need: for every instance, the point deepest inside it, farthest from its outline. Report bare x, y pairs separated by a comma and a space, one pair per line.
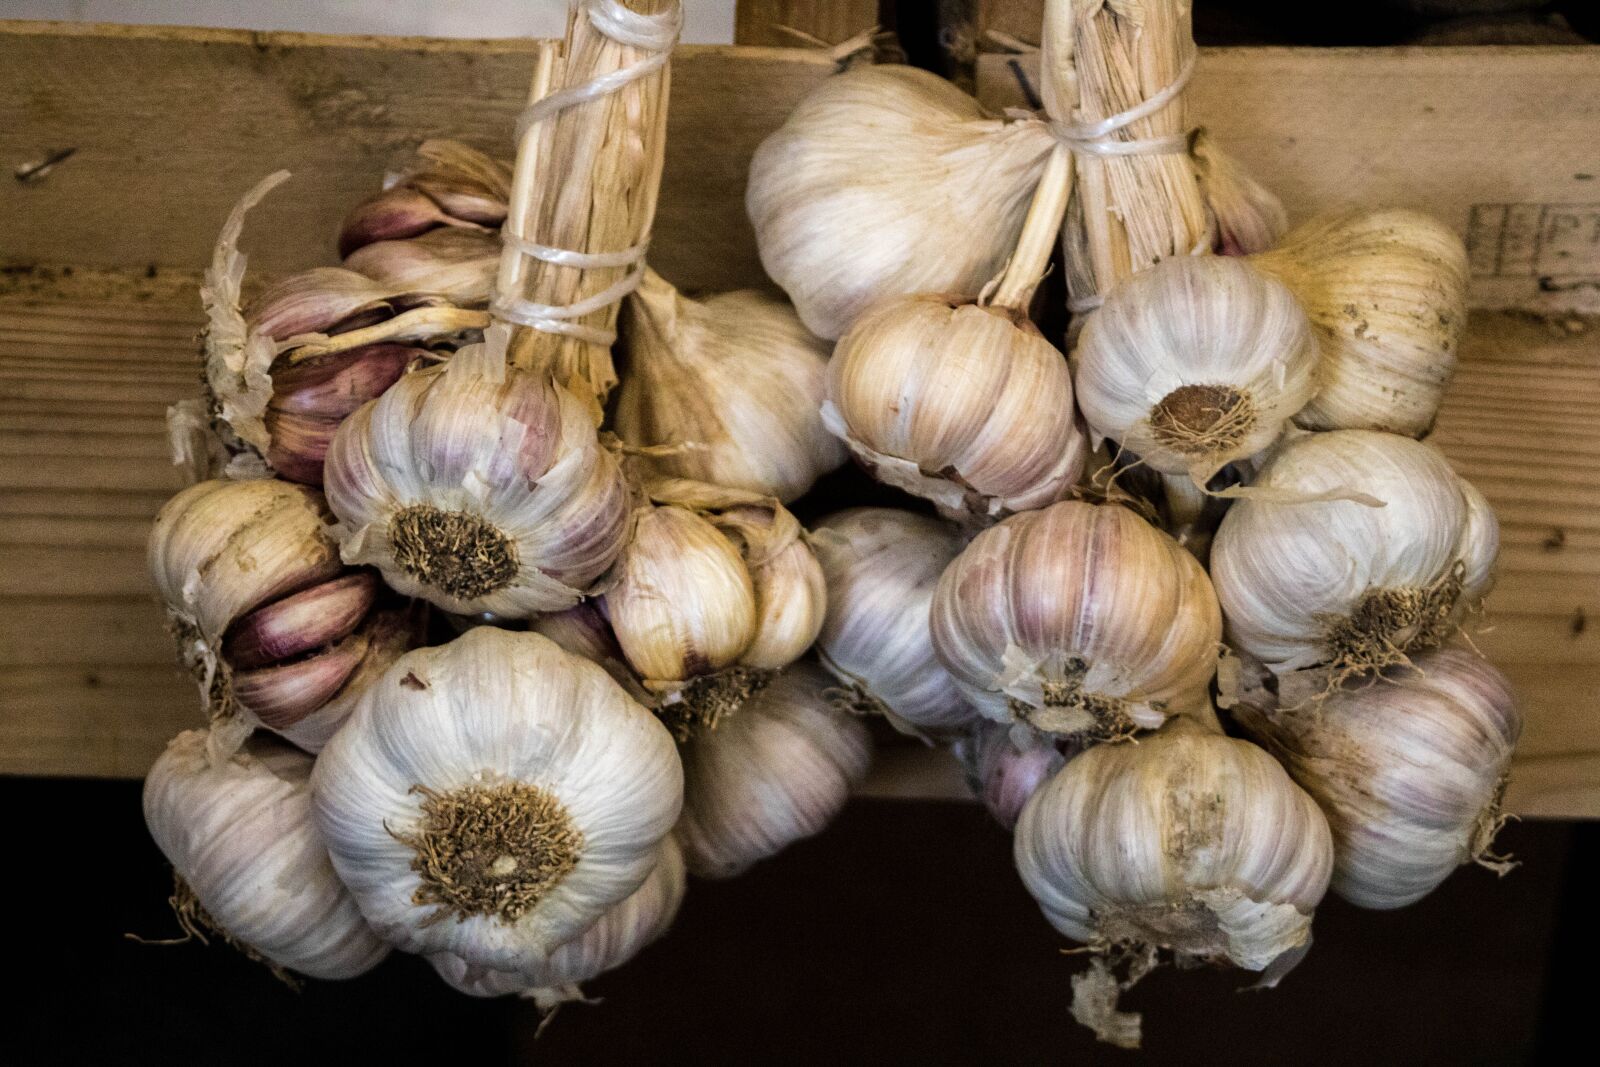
902, 935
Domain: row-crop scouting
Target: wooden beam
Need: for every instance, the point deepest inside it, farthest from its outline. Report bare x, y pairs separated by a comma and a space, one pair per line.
763, 22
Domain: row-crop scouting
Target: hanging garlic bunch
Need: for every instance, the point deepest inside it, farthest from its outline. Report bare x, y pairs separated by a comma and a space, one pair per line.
880, 566
734, 380
1409, 772
248, 862
478, 487
1077, 619
772, 770
1339, 583
887, 181
1195, 363
493, 798
1189, 841
1386, 291
275, 629
446, 184
615, 938
1003, 774
716, 591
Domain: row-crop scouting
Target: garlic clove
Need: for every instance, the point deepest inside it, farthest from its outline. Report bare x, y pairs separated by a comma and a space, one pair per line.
884, 181
332, 387
391, 215
388, 636
300, 622
283, 694
251, 866
446, 184
452, 263
299, 445
314, 301
769, 772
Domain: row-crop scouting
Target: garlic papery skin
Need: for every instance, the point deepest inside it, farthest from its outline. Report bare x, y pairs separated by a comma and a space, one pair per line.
962, 404
479, 488
1079, 619
454, 264
447, 184
1194, 363
886, 181
1387, 293
881, 566
734, 381
1409, 772
618, 936
1249, 217
251, 865
1189, 841
773, 769
494, 797
1004, 775
1342, 584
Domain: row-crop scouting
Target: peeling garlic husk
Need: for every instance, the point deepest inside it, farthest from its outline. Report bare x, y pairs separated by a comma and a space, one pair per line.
615, 938
494, 798
1340, 584
276, 631
251, 866
1409, 772
447, 183
771, 770
455, 265
1079, 620
734, 381
1387, 293
1195, 363
965, 405
886, 181
880, 566
1189, 841
1001, 773
480, 488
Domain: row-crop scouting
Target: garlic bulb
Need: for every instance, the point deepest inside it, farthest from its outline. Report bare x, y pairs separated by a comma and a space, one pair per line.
479, 488
716, 590
1190, 841
772, 770
275, 629
1194, 363
884, 181
1386, 291
1409, 772
1078, 619
881, 566
249, 862
619, 935
1341, 584
963, 404
1003, 774
454, 264
734, 380
446, 184
493, 798
1249, 216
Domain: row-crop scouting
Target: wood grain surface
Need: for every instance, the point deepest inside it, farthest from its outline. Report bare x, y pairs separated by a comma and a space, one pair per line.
764, 22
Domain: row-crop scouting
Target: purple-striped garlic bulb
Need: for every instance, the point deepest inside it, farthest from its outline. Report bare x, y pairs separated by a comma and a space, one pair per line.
277, 631
480, 488
1409, 771
1003, 774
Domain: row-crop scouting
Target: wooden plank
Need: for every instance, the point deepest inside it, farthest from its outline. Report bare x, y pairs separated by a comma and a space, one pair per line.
218, 109
763, 22
1498, 142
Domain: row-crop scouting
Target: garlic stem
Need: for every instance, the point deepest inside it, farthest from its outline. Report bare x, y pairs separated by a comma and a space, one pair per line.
1039, 231
418, 324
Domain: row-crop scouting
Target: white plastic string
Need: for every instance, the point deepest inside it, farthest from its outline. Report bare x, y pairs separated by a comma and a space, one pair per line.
657, 34
1096, 138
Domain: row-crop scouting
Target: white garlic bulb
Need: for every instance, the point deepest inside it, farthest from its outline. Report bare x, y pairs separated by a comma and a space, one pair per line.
1342, 584
619, 935
881, 566
773, 769
1189, 841
1195, 363
494, 797
1409, 771
1387, 293
963, 404
888, 180
250, 864
478, 487
734, 380
276, 631
1077, 619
